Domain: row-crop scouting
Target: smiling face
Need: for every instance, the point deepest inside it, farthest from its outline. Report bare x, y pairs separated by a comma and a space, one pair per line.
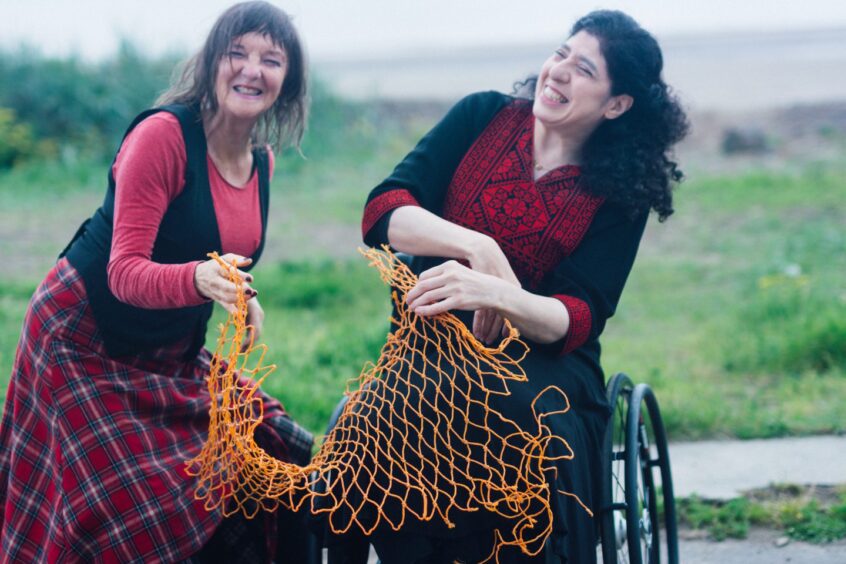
573, 91
250, 76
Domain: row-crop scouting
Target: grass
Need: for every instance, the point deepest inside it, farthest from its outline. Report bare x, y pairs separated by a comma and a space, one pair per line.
798, 511
316, 332
735, 311
736, 314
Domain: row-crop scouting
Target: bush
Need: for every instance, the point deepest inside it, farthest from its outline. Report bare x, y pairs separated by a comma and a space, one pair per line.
86, 107
80, 104
16, 140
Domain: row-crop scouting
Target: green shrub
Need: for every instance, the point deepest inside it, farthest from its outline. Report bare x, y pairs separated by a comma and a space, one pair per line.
812, 523
85, 107
722, 520
16, 140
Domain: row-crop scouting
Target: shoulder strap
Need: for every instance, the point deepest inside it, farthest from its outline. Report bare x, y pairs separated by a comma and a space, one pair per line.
262, 163
191, 122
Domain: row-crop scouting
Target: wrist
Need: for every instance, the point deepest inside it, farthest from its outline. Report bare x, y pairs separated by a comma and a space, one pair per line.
505, 295
195, 277
478, 246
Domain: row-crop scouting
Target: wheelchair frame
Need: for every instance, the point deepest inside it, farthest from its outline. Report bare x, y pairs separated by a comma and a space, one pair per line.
635, 445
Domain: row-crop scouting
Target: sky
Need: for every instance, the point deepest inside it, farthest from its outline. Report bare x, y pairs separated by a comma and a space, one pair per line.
347, 29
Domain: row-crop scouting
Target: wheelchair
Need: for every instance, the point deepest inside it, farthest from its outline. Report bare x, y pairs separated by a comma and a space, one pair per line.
635, 445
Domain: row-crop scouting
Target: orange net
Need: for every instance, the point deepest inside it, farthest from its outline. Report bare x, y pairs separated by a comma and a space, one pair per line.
417, 437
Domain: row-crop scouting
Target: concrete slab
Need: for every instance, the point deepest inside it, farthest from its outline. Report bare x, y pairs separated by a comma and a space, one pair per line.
724, 469
761, 547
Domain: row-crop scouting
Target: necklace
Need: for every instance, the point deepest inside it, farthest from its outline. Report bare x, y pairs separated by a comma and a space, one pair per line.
538, 166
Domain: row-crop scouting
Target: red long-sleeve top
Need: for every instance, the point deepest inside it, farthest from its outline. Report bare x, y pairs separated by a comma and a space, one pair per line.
149, 173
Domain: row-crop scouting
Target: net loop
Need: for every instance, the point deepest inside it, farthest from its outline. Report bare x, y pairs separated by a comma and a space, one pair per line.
419, 436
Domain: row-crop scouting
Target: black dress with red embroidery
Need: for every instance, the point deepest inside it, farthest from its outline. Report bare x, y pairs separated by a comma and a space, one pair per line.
474, 168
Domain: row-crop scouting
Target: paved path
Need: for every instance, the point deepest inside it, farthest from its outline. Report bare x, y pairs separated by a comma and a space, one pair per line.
760, 548
724, 469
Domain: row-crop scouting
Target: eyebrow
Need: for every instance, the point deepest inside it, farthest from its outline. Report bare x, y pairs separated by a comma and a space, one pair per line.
581, 58
275, 52
589, 63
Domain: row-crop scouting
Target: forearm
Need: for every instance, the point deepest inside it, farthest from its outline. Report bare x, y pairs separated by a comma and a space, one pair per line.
539, 318
143, 283
419, 232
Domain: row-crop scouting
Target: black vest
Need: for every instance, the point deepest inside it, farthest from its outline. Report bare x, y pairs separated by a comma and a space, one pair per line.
188, 232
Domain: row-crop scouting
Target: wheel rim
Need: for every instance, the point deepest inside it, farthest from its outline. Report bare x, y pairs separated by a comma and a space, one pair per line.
641, 504
614, 525
646, 494
618, 472
632, 526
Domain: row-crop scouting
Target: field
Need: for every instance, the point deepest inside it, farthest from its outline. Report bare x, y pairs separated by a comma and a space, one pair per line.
735, 311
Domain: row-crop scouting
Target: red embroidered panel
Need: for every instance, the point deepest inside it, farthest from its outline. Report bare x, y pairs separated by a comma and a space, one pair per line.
382, 204
580, 322
493, 191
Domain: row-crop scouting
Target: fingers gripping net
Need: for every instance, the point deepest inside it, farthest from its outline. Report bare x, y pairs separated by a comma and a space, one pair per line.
420, 436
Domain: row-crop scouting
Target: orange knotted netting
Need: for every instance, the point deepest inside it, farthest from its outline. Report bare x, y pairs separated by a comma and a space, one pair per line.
417, 438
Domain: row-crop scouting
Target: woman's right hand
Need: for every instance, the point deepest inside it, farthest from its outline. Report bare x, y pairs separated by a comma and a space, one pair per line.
212, 281
417, 231
487, 257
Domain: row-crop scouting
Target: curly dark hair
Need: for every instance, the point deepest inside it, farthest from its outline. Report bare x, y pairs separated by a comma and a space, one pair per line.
628, 160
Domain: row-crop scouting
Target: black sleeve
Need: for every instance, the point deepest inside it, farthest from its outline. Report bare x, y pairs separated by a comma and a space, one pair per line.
590, 281
423, 176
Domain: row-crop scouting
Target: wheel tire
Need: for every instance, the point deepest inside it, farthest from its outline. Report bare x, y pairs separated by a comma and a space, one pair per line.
662, 461
612, 503
646, 449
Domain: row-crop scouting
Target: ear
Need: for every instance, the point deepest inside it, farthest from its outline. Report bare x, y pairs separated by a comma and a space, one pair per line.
618, 105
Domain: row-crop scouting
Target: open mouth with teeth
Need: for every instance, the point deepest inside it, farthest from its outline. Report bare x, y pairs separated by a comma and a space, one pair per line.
247, 90
554, 96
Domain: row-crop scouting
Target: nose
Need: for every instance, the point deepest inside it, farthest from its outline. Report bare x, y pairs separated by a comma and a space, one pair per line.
251, 68
560, 71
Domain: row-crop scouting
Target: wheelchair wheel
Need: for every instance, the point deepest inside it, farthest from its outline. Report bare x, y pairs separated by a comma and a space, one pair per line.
646, 449
613, 536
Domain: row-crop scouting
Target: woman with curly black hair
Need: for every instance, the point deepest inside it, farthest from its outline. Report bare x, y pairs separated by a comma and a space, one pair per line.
535, 209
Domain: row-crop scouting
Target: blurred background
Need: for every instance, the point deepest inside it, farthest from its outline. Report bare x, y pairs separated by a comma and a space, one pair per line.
736, 309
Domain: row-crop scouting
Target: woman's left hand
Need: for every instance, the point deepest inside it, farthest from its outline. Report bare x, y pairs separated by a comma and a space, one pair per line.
255, 322
452, 285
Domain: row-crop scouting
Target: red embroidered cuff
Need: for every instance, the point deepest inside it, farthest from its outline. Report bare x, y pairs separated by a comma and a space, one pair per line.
382, 204
580, 322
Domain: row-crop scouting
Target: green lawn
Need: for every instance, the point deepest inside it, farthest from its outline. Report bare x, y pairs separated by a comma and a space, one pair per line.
735, 311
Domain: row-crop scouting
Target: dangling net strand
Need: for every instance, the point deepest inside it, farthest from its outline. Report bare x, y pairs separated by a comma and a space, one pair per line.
418, 437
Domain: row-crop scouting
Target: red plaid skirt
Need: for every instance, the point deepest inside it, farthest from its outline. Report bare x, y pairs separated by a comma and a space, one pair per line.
93, 449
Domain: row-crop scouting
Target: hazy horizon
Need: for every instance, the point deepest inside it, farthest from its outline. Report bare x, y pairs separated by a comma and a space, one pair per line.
332, 29
729, 71
778, 60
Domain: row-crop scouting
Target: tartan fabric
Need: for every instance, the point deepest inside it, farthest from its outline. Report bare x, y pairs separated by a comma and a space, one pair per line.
93, 449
